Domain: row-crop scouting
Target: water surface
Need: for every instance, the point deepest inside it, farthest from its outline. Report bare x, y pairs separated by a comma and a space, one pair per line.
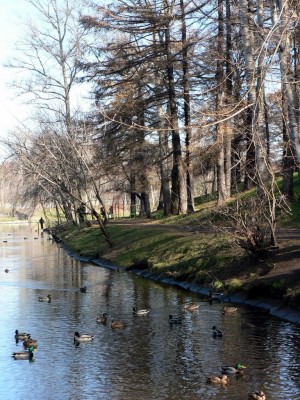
146, 360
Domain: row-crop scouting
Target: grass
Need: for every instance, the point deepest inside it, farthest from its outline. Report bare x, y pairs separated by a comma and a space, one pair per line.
171, 249
168, 252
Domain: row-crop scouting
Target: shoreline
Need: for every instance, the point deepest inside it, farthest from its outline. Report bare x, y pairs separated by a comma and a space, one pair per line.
274, 307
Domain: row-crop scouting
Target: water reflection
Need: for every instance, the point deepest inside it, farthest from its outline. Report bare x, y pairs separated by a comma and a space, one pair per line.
149, 359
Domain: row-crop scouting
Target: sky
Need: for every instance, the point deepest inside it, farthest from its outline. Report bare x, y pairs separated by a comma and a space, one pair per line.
12, 112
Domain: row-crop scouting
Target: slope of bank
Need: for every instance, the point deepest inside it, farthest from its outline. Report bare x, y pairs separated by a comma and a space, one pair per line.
197, 260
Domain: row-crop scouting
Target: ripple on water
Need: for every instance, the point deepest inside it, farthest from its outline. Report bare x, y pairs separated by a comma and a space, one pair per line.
146, 360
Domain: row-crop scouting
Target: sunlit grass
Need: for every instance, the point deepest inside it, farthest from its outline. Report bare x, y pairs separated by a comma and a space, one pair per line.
203, 258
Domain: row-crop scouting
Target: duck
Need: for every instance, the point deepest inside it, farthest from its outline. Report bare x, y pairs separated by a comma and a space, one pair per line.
46, 298
223, 379
237, 369
257, 395
6, 270
174, 320
216, 332
83, 338
216, 295
117, 324
229, 310
23, 355
246, 325
191, 307
83, 289
140, 312
21, 335
102, 319
30, 343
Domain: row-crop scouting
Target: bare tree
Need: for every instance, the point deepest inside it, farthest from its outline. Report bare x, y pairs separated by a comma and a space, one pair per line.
49, 54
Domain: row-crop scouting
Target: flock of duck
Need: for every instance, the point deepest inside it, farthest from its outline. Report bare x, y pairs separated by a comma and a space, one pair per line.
30, 345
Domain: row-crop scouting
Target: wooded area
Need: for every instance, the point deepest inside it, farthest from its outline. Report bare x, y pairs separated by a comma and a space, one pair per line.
183, 93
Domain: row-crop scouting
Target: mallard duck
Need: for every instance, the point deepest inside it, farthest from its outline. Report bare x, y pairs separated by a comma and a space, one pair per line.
229, 310
6, 270
30, 343
21, 335
45, 298
238, 369
174, 320
216, 332
83, 289
191, 307
223, 379
117, 324
258, 395
102, 319
83, 338
22, 355
140, 312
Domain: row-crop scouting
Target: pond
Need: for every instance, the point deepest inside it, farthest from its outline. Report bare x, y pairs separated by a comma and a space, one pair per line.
149, 358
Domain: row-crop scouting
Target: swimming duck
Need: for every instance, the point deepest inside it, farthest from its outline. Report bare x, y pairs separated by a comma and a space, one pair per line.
258, 395
216, 296
46, 298
174, 320
83, 338
102, 319
83, 289
30, 343
217, 379
229, 310
216, 332
246, 325
140, 312
238, 369
117, 324
191, 307
21, 335
23, 355
6, 270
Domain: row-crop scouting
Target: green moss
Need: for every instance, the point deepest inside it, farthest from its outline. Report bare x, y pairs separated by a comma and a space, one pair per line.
234, 285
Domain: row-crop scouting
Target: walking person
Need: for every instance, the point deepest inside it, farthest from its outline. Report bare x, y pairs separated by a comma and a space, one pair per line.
41, 221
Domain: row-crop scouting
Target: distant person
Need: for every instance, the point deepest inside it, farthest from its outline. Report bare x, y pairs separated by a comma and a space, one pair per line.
102, 211
111, 212
81, 212
41, 221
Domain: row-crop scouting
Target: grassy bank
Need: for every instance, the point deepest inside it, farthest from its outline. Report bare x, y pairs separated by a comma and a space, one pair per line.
166, 251
173, 247
202, 258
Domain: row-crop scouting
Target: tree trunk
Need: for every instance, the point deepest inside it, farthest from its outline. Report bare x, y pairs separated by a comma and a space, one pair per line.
250, 74
281, 9
260, 137
288, 163
187, 112
222, 196
228, 101
178, 194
